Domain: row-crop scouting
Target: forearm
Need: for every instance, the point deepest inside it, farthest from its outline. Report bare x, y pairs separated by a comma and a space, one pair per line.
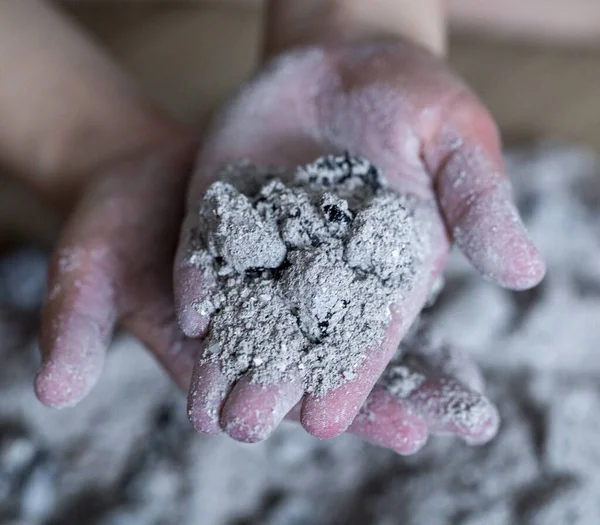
65, 108
291, 22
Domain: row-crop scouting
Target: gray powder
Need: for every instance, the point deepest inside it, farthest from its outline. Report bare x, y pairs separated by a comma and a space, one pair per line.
400, 380
305, 267
421, 357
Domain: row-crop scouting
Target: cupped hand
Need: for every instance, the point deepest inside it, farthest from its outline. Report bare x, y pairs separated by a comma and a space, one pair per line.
113, 265
402, 109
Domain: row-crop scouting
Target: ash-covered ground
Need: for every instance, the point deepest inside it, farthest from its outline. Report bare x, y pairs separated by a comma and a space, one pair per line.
128, 456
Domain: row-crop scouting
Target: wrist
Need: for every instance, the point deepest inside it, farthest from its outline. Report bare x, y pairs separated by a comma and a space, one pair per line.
291, 23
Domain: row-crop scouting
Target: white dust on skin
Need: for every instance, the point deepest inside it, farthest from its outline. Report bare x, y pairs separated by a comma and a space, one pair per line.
75, 343
305, 267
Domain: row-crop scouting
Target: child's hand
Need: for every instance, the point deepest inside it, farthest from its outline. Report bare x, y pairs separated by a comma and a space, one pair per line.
114, 260
399, 107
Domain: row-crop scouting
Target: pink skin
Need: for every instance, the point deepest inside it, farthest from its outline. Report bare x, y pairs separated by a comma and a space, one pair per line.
386, 421
402, 425
253, 411
317, 416
441, 405
402, 109
476, 424
208, 391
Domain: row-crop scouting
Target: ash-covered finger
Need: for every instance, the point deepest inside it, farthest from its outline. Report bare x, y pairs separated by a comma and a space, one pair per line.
446, 405
193, 278
207, 394
252, 411
77, 322
475, 197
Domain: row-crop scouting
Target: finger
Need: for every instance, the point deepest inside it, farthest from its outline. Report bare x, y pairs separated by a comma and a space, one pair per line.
475, 197
332, 413
190, 282
387, 421
448, 407
207, 394
384, 420
103, 271
253, 411
77, 321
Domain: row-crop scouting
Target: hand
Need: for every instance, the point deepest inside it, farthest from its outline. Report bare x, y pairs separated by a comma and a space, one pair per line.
403, 110
113, 264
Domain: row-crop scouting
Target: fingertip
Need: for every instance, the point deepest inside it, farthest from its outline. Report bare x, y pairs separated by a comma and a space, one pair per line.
515, 265
450, 408
323, 428
328, 416
253, 411
207, 394
525, 268
78, 318
487, 430
494, 239
74, 350
59, 385
386, 421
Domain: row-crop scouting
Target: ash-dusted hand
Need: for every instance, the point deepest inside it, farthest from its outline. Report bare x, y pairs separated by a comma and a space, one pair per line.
397, 105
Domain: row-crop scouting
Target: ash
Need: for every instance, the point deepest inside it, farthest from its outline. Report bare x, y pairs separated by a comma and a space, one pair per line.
305, 268
127, 455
